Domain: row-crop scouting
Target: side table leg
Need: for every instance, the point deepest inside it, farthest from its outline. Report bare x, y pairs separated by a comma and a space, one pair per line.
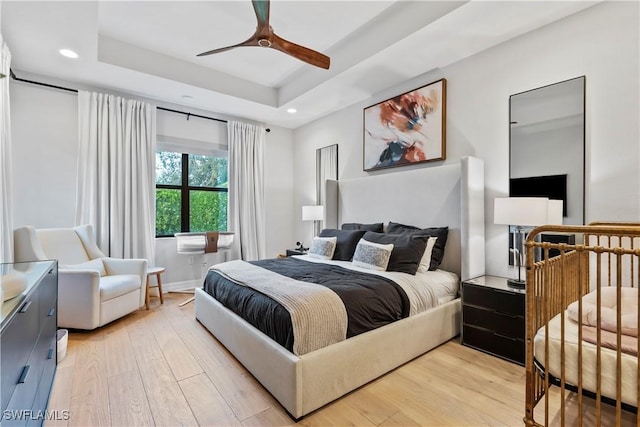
160, 289
146, 296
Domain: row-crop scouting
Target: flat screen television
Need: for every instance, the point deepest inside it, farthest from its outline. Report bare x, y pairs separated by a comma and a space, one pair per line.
553, 187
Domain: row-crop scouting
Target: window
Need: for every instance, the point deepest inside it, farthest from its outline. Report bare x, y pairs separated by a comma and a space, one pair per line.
191, 193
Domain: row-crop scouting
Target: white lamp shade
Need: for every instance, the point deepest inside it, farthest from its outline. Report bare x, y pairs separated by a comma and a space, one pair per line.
523, 211
312, 213
554, 212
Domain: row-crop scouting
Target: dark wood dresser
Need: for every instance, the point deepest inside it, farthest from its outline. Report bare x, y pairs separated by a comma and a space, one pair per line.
493, 317
28, 344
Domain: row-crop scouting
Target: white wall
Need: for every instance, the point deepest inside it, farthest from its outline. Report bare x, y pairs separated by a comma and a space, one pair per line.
601, 42
44, 134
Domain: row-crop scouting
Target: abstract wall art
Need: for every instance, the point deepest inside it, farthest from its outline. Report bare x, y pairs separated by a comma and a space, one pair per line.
406, 129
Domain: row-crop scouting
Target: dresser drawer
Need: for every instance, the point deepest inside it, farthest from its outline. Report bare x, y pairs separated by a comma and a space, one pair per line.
18, 340
491, 342
46, 378
493, 299
502, 323
26, 388
48, 291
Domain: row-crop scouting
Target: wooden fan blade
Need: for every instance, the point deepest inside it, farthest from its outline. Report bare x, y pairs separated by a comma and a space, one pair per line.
261, 8
300, 52
252, 41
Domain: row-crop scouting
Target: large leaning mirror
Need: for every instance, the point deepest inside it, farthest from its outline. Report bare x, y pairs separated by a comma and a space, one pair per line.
326, 168
547, 153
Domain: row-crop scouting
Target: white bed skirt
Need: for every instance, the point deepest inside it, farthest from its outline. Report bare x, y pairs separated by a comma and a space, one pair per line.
305, 383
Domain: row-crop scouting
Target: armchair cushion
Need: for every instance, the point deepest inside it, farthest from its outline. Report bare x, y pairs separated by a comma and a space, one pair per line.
115, 286
62, 244
94, 264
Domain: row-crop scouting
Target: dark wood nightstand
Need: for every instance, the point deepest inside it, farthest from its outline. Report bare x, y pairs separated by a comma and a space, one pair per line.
291, 252
493, 318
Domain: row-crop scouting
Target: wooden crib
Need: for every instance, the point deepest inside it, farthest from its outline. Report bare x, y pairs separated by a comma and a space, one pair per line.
577, 299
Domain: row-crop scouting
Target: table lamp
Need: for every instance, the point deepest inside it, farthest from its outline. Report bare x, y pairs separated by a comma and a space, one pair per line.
525, 212
313, 213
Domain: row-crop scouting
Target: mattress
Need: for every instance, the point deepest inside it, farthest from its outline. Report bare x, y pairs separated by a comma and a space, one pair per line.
385, 297
589, 354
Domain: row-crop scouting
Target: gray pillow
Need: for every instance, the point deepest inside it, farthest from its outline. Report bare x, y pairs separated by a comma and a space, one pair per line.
323, 247
346, 242
378, 227
373, 256
407, 252
440, 232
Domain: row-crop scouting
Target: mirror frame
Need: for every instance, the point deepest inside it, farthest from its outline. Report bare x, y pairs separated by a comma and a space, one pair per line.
583, 159
321, 177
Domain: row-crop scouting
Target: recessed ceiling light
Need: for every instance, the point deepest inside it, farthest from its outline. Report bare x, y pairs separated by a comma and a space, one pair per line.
292, 110
68, 53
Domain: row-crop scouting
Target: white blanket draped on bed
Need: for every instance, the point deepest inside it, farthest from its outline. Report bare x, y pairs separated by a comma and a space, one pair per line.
318, 316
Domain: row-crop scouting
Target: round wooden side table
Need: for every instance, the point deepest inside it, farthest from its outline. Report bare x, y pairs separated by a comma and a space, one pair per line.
154, 271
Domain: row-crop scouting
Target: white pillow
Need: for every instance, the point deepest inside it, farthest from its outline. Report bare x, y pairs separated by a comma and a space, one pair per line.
425, 262
374, 256
323, 247
94, 264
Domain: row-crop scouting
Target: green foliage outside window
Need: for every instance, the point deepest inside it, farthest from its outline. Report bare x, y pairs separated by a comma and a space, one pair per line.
205, 193
167, 212
208, 210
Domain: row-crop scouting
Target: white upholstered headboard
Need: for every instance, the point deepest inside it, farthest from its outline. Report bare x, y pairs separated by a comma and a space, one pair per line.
449, 195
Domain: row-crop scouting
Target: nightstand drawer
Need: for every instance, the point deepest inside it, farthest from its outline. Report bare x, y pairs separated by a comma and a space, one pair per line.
492, 342
502, 323
493, 299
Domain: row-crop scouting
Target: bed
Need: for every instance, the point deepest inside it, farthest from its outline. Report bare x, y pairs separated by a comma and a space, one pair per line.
582, 325
449, 195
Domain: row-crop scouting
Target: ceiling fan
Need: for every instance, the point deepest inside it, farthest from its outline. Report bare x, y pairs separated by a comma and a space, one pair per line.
265, 37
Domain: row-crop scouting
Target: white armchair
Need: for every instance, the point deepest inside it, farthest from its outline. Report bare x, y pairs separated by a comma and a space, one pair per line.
93, 289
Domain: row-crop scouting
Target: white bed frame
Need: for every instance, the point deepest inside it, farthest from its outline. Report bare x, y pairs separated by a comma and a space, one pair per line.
450, 195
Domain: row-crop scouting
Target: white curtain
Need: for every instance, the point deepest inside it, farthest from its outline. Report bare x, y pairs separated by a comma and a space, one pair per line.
116, 173
246, 190
6, 191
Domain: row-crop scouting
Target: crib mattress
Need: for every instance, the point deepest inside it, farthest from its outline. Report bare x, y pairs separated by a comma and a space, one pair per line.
589, 355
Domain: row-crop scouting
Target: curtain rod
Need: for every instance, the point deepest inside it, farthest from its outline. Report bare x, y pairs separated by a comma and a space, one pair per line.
33, 82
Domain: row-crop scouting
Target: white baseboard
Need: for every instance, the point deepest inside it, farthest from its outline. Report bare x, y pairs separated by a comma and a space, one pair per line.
179, 286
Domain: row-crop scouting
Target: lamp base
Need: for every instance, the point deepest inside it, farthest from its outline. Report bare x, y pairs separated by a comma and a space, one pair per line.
518, 284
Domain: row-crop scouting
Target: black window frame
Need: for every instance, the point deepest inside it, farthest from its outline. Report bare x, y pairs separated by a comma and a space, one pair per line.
185, 188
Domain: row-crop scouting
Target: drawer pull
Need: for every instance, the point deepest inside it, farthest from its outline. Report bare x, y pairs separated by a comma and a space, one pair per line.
23, 375
25, 307
50, 354
53, 310
505, 337
50, 271
510, 316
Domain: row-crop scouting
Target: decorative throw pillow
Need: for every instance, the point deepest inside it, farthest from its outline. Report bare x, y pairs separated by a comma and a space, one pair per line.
440, 232
378, 227
323, 247
407, 250
94, 264
425, 262
371, 255
346, 242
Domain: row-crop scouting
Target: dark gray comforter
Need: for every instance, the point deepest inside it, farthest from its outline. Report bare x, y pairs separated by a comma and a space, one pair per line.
371, 301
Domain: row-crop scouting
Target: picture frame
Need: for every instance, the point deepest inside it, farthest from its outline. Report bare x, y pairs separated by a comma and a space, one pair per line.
407, 129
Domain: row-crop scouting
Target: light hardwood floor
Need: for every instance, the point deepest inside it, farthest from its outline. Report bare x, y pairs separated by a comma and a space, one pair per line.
161, 367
